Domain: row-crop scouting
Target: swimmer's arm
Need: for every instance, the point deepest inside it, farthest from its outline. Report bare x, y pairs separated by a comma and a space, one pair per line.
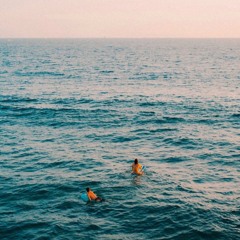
140, 171
89, 197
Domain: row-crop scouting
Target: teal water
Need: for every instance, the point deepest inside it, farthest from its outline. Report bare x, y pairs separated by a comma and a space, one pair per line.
76, 113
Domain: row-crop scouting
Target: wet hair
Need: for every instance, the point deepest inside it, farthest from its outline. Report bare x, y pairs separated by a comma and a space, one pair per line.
136, 161
88, 189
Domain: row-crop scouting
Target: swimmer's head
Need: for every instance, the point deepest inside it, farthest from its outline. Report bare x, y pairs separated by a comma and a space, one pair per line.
88, 189
136, 161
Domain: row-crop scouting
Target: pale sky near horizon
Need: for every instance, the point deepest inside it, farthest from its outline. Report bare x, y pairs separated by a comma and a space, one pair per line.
120, 18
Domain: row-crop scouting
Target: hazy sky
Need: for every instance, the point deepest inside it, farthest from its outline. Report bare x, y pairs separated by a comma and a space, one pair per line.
119, 18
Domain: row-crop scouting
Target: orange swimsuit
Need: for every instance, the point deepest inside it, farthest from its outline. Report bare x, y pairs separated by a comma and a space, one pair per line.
137, 168
92, 195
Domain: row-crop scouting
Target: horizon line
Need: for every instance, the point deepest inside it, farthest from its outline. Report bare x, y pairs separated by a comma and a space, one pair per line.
119, 37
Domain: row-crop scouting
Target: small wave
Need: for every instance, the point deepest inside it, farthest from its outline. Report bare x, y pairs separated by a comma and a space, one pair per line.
145, 76
185, 142
3, 72
149, 104
167, 76
18, 111
16, 99
236, 115
206, 121
159, 130
56, 164
36, 74
107, 71
92, 227
145, 113
174, 160
66, 101
50, 140
169, 120
124, 139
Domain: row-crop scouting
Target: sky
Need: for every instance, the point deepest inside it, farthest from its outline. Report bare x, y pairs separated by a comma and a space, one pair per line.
119, 18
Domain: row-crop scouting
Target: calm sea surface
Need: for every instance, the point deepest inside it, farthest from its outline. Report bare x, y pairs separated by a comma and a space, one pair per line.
76, 113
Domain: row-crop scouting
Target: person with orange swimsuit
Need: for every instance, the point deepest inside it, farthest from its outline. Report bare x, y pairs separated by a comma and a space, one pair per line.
137, 168
92, 196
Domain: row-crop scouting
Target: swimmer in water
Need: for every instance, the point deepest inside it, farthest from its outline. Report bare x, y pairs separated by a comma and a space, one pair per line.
137, 168
92, 196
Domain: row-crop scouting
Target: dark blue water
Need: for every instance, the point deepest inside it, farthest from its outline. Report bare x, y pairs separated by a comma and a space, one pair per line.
75, 114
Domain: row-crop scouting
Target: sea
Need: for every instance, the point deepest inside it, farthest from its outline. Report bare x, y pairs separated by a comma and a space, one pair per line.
75, 113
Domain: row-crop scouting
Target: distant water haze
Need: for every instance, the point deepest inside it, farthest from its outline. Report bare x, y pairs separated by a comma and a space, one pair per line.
120, 18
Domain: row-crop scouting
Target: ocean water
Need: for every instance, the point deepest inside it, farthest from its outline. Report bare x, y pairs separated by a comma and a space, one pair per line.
76, 113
